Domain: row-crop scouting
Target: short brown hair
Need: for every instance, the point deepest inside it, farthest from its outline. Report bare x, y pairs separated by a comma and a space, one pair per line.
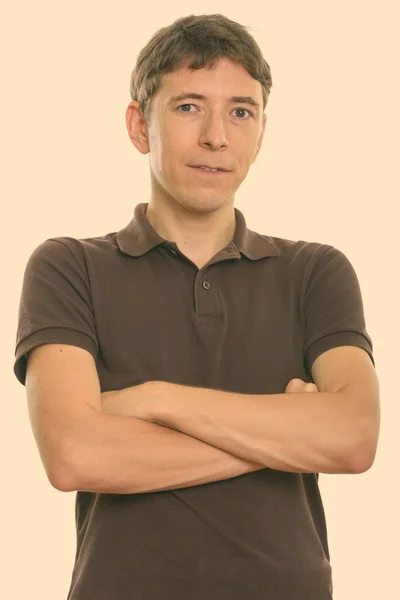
195, 41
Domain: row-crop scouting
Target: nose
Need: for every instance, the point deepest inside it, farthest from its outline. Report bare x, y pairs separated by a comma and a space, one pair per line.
213, 133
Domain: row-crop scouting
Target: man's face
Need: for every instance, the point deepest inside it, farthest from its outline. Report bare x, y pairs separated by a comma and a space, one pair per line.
214, 131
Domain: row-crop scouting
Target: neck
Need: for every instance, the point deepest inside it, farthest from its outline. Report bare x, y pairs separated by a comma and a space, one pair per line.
200, 236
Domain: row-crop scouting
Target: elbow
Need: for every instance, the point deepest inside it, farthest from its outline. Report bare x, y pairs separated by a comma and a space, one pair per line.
365, 461
61, 474
61, 482
61, 479
363, 454
360, 462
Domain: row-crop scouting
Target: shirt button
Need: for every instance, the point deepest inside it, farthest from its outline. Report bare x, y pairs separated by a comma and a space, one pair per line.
206, 285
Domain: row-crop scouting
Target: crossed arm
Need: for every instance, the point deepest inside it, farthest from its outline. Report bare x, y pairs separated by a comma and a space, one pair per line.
327, 431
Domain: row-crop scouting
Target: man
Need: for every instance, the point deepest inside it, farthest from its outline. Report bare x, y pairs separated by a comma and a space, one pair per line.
168, 365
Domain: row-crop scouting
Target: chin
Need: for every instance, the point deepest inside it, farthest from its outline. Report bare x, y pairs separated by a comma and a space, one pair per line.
210, 203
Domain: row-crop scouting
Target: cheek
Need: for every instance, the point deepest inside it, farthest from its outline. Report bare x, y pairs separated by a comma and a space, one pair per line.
171, 148
167, 163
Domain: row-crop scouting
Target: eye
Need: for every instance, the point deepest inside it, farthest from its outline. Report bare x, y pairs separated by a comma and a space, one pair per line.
185, 105
245, 109
236, 109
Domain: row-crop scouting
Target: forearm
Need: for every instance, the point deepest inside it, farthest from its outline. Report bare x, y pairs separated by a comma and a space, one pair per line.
297, 432
123, 455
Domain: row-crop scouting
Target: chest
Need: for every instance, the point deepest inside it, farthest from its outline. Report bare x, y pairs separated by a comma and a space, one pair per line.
208, 329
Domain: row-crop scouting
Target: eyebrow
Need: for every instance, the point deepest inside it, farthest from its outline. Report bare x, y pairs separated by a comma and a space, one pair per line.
195, 96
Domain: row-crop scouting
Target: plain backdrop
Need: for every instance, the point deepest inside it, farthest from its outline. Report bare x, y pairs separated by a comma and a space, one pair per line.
328, 171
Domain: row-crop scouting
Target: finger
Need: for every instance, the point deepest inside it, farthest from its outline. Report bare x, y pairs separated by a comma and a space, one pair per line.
311, 387
295, 386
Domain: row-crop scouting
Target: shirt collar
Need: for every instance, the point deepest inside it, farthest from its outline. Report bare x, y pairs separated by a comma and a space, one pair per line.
139, 236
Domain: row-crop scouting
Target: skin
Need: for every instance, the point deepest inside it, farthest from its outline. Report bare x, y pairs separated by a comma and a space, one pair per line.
195, 210
134, 401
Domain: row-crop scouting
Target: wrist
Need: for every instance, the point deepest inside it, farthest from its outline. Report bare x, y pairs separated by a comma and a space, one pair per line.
153, 401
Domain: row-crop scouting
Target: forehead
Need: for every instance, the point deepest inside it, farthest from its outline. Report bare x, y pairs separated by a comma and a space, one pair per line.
225, 78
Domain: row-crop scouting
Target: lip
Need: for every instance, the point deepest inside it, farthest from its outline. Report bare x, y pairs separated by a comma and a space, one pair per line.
203, 171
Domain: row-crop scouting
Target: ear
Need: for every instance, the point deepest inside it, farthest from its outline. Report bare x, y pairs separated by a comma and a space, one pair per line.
137, 127
260, 139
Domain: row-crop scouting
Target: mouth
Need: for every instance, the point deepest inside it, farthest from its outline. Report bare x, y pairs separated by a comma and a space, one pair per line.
210, 173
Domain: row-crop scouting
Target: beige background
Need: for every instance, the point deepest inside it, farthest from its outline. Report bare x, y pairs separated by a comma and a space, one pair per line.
327, 172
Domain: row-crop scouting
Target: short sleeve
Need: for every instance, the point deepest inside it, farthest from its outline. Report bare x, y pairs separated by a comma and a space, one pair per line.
55, 304
333, 310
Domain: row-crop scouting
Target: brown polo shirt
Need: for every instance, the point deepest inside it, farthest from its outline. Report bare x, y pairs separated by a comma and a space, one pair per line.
254, 317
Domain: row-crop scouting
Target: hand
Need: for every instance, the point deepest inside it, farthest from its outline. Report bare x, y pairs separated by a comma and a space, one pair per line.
299, 386
134, 401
